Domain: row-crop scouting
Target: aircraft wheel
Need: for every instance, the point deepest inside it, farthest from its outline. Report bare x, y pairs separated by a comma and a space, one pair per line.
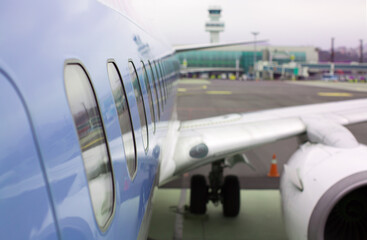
231, 196
199, 194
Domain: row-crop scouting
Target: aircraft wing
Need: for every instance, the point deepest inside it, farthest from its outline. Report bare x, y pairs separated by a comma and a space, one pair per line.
199, 142
213, 45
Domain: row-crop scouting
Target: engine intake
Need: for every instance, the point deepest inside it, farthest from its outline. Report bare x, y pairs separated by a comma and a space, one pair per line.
341, 213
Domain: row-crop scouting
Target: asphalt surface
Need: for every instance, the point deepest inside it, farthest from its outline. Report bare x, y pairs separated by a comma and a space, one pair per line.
260, 216
207, 98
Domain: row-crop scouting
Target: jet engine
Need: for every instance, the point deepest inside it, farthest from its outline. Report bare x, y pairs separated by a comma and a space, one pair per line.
324, 185
324, 192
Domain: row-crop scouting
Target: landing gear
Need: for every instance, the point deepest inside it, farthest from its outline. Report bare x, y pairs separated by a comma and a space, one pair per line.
226, 192
231, 196
199, 194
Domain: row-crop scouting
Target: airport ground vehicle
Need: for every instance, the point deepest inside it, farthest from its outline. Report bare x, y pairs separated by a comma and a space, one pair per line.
330, 77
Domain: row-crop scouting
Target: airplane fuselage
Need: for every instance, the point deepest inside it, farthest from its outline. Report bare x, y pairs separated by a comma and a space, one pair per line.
45, 187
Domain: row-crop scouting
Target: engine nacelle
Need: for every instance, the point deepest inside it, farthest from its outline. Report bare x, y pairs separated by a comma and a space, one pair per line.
324, 192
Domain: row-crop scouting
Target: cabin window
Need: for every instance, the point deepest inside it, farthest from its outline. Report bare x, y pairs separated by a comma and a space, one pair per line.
92, 140
165, 66
168, 70
155, 90
163, 81
123, 112
164, 73
140, 102
159, 77
150, 96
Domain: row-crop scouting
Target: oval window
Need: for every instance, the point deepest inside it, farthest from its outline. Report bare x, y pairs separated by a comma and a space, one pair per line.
92, 140
123, 111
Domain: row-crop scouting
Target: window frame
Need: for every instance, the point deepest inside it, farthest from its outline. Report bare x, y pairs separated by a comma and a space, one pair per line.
146, 148
166, 69
108, 223
163, 81
112, 61
156, 90
150, 95
159, 85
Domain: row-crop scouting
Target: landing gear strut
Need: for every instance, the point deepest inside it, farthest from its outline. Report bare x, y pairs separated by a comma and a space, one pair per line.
225, 191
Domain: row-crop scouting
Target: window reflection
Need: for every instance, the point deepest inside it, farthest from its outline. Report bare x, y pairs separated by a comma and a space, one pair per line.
159, 77
92, 141
166, 71
150, 97
140, 103
163, 81
155, 90
123, 112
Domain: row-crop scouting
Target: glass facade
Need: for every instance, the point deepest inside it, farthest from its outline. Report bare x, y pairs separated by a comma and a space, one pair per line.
227, 59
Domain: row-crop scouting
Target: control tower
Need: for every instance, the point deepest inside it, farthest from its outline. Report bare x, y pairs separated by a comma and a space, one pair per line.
214, 26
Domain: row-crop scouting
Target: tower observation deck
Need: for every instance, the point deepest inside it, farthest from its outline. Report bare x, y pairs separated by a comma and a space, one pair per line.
214, 26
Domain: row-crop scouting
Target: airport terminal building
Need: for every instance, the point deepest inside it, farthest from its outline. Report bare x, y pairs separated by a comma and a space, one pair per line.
241, 58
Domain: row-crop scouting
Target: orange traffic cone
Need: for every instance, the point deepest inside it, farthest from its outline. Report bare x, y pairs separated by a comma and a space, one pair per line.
274, 167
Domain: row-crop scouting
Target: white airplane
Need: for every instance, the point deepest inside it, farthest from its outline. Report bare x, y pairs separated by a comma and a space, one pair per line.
88, 129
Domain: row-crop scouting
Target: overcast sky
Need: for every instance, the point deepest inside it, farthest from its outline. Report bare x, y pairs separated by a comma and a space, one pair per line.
282, 22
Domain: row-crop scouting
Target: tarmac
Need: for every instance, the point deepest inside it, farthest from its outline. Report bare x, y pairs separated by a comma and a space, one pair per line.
260, 216
359, 87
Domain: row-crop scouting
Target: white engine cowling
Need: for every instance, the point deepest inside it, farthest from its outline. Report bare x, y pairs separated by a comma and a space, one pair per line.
324, 192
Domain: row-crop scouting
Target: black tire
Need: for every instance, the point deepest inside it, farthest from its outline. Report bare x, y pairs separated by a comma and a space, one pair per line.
231, 196
199, 194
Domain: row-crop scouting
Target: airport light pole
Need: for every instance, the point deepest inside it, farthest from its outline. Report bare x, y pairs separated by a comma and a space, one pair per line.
361, 51
332, 50
254, 69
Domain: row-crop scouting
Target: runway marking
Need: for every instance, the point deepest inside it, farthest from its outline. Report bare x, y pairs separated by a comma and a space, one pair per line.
181, 90
334, 94
219, 92
194, 81
344, 86
92, 142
